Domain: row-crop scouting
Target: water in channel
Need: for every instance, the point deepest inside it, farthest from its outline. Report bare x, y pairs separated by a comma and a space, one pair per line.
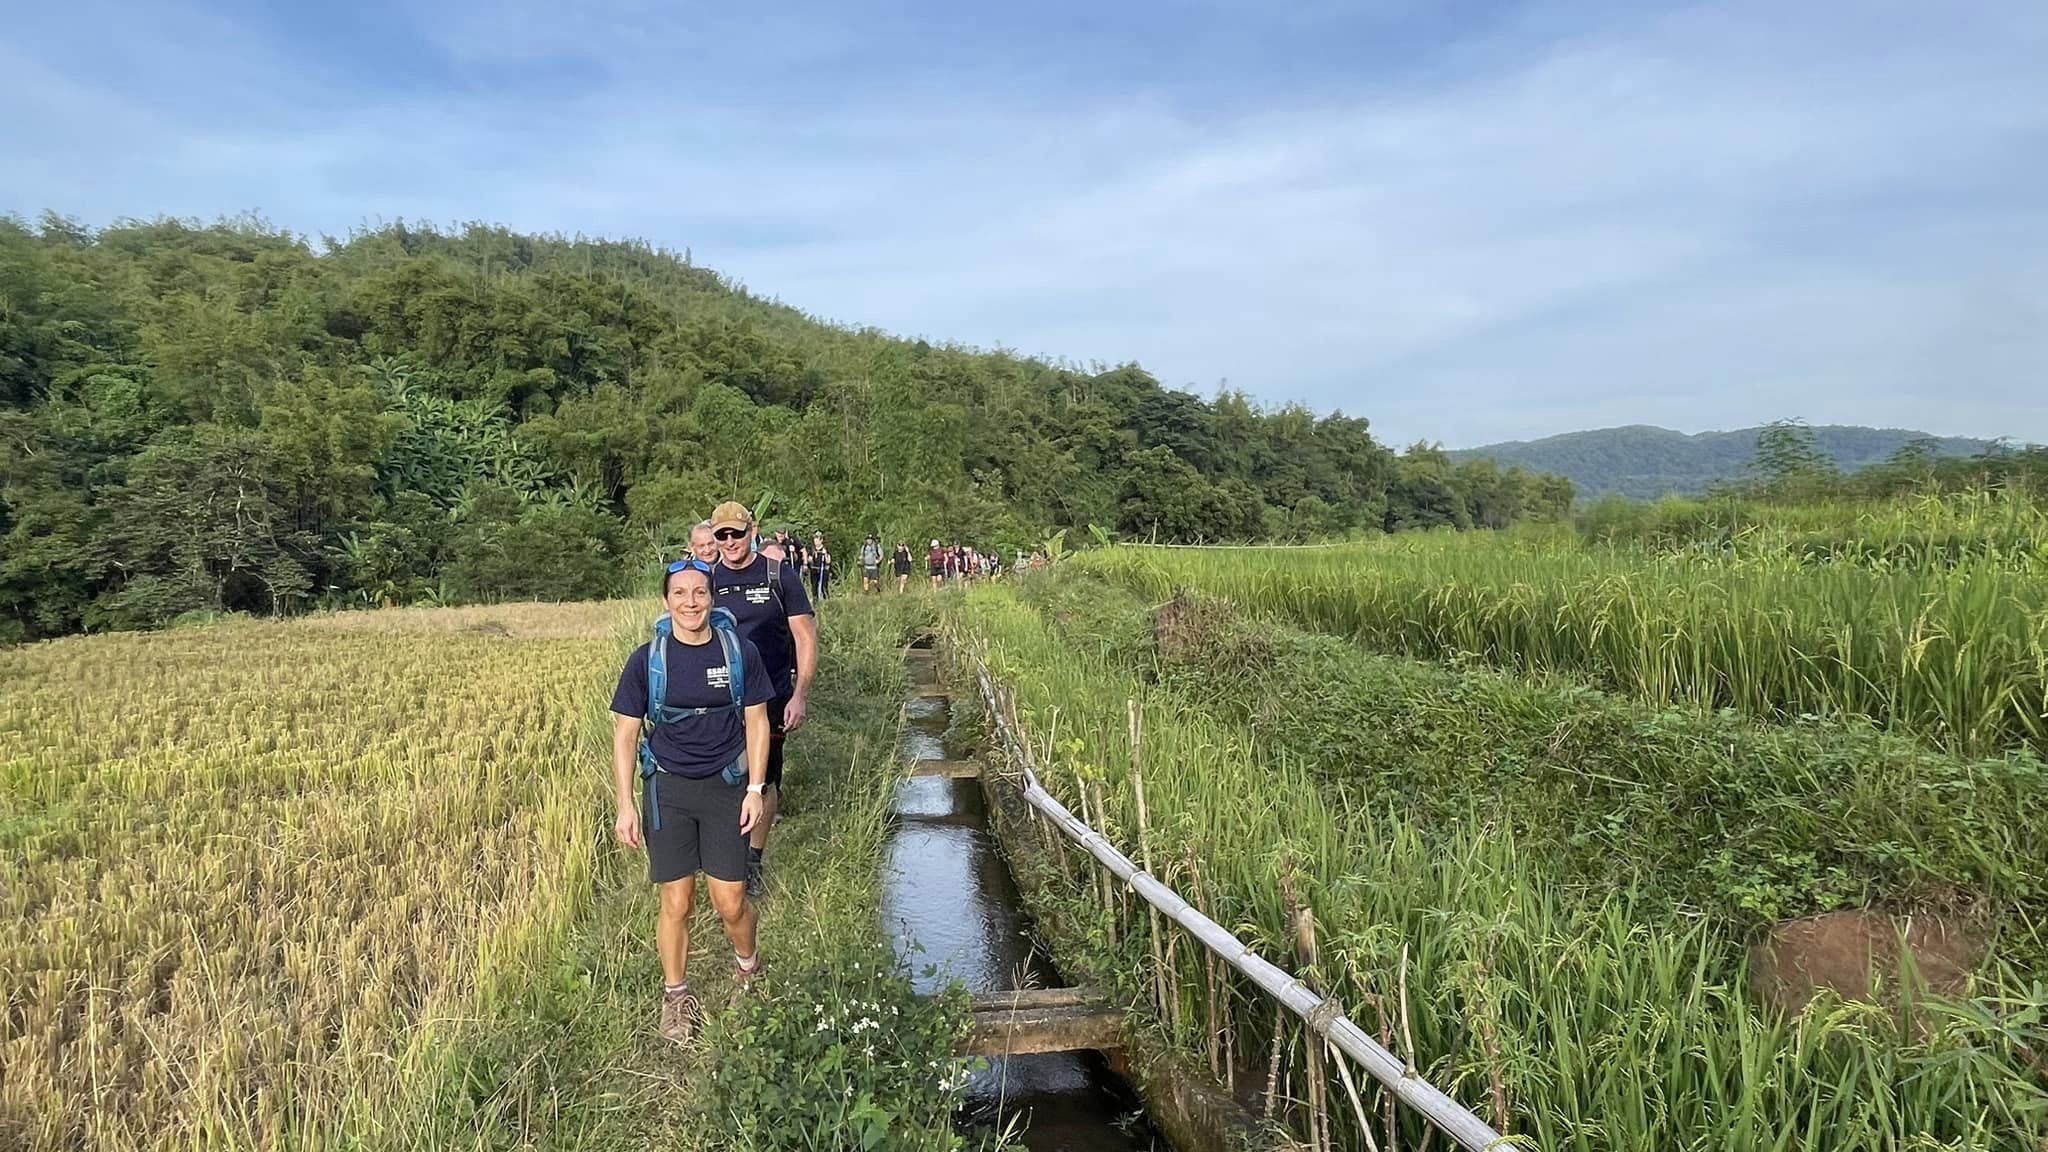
954, 913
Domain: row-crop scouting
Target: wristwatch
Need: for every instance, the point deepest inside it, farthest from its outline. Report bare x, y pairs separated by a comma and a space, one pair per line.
758, 789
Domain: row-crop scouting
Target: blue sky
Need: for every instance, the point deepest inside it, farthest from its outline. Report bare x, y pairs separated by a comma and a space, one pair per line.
1464, 221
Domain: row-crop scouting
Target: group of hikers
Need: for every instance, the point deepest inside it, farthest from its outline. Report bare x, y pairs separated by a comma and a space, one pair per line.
942, 562
725, 676
700, 713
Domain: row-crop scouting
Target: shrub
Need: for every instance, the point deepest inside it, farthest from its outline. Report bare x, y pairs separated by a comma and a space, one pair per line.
842, 1054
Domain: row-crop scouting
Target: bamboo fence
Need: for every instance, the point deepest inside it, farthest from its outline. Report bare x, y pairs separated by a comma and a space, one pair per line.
1321, 1014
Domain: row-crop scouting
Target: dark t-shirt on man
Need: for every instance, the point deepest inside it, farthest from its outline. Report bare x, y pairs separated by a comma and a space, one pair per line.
697, 678
745, 593
903, 561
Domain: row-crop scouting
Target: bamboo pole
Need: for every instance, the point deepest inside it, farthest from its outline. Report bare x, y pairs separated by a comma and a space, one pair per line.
1273, 1061
1111, 902
1136, 732
1211, 1002
1229, 1039
1407, 1033
1171, 985
1312, 1044
1379, 1006
1357, 1105
1454, 1119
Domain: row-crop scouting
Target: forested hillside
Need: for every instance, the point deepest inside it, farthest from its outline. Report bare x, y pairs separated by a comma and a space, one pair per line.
1643, 462
231, 417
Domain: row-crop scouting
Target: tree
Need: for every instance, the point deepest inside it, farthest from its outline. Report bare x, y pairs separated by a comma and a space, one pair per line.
1165, 496
201, 523
505, 549
1422, 495
1788, 460
328, 433
216, 416
1492, 498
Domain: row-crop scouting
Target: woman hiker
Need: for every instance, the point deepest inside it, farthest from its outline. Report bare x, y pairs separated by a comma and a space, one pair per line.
704, 767
902, 566
821, 567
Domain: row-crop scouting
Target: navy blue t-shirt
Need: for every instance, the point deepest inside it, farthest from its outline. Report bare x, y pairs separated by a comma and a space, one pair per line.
697, 678
745, 593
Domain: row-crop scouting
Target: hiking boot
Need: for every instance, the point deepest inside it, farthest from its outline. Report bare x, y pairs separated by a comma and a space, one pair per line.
748, 976
680, 1015
756, 887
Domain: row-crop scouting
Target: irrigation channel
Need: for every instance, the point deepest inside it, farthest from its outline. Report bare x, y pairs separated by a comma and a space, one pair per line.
955, 913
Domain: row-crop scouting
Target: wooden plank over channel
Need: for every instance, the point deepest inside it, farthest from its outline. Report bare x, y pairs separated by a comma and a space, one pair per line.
949, 769
1004, 1031
1077, 996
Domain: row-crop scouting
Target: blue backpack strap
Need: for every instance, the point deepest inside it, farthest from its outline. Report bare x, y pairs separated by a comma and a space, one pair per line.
657, 702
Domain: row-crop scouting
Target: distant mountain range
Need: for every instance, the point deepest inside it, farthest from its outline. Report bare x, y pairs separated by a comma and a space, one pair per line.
1643, 462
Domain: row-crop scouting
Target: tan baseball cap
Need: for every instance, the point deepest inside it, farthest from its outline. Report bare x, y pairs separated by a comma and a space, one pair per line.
731, 514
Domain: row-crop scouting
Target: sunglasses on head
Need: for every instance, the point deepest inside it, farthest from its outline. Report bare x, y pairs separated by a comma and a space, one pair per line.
729, 534
690, 565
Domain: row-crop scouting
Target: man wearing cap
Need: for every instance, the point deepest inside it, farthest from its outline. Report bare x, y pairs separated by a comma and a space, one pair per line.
871, 564
766, 598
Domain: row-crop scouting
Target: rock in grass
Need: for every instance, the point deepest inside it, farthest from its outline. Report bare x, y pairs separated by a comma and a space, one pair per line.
1857, 955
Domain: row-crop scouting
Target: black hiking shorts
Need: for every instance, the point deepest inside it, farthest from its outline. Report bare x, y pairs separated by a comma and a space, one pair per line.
700, 829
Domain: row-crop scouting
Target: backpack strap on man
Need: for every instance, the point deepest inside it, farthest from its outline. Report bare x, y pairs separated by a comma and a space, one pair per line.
775, 585
727, 629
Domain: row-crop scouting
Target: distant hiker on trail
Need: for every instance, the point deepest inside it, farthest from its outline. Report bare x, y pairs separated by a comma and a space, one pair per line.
767, 597
819, 562
902, 566
703, 768
935, 563
702, 546
871, 564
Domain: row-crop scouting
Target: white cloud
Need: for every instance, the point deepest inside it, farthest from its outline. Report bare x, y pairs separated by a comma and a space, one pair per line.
1704, 219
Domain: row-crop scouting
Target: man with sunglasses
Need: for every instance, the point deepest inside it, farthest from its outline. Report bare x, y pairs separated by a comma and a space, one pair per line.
766, 597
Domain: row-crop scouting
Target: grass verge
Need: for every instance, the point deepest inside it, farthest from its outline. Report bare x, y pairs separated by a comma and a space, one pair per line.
569, 1060
1584, 1016
1954, 655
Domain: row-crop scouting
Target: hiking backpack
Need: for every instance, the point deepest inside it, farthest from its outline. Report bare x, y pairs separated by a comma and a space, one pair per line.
659, 713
